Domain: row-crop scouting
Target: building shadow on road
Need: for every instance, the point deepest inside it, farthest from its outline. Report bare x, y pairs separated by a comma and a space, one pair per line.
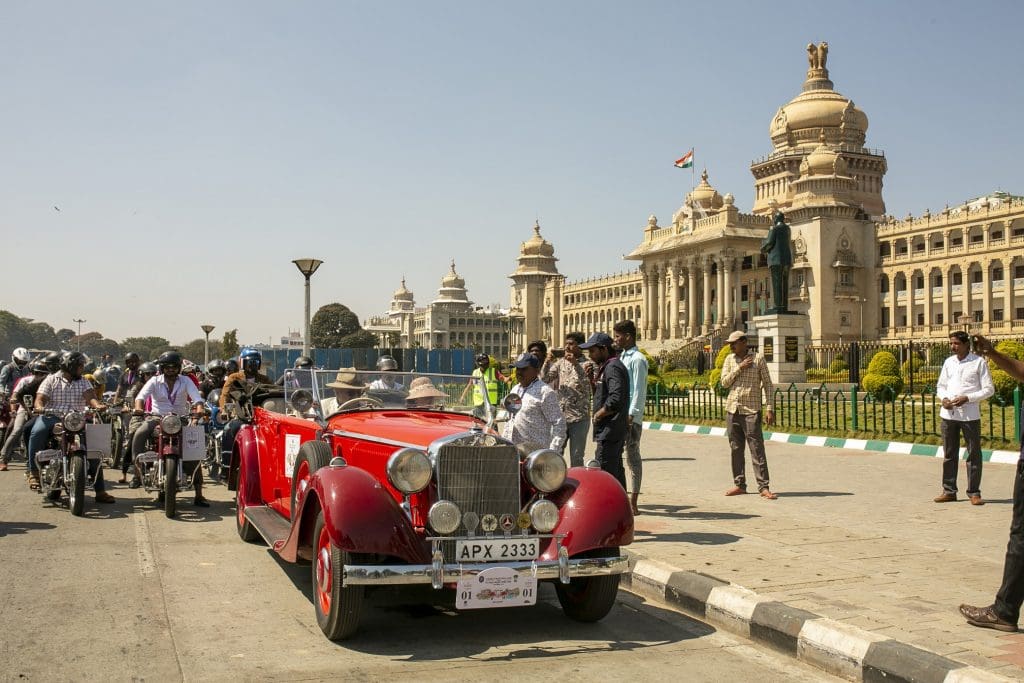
11, 528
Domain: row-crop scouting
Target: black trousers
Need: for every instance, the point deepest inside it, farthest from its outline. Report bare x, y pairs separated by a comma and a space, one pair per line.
609, 456
1011, 592
951, 431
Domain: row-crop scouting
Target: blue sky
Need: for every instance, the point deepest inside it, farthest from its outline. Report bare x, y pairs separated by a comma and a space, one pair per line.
194, 149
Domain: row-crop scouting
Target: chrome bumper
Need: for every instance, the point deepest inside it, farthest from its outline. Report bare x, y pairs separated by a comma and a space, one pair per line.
439, 574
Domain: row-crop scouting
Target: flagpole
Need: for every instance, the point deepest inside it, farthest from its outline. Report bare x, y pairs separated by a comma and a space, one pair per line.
693, 156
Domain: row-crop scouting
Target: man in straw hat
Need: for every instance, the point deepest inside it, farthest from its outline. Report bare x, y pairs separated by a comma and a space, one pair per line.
745, 375
346, 387
424, 395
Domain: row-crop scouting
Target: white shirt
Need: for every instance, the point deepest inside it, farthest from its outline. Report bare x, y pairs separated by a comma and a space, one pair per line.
968, 377
166, 401
539, 420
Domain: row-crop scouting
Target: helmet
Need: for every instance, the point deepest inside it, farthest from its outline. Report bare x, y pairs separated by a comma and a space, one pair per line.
21, 356
74, 363
169, 358
480, 357
90, 365
39, 367
387, 364
99, 376
213, 396
131, 357
216, 367
188, 367
304, 362
250, 359
52, 360
147, 368
231, 366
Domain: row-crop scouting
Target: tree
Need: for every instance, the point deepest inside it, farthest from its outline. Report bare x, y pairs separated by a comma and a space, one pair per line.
229, 343
148, 348
331, 325
195, 350
94, 345
16, 331
359, 340
64, 336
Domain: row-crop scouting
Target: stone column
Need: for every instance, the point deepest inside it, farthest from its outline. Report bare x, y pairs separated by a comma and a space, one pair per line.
986, 292
1008, 290
727, 288
966, 288
645, 299
657, 287
691, 298
893, 305
673, 300
706, 264
947, 303
720, 291
910, 302
928, 301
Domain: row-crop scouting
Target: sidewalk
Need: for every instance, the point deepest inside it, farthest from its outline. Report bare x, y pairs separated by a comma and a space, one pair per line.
853, 568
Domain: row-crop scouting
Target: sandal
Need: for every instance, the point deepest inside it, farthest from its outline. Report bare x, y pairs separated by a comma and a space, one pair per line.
768, 495
33, 481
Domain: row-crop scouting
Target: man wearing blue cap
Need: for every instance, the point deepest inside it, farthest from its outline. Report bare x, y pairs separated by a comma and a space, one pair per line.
539, 422
611, 405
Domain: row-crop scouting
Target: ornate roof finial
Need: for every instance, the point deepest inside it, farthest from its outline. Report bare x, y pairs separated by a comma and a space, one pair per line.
536, 227
453, 265
704, 175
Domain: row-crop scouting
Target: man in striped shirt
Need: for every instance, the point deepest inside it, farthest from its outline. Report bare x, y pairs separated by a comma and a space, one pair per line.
745, 375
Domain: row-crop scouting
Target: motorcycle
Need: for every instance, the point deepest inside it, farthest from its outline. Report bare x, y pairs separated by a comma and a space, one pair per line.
64, 469
214, 435
115, 417
176, 440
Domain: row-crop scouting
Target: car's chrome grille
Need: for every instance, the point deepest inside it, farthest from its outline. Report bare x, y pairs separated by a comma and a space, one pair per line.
480, 479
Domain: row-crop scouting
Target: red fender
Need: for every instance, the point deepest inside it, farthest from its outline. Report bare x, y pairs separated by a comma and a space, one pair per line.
360, 515
595, 513
245, 455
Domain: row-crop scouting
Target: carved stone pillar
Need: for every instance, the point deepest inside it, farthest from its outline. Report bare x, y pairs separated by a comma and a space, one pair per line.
691, 299
947, 302
673, 300
928, 322
727, 288
706, 265
893, 305
720, 291
986, 291
965, 289
1008, 312
910, 302
645, 299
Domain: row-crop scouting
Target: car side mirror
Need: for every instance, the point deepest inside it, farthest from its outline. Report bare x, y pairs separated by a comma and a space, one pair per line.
512, 403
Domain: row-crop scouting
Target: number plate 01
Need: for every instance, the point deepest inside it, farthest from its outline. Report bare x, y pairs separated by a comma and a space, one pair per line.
497, 550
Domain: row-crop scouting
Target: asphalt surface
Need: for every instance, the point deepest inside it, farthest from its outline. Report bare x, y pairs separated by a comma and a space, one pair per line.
127, 594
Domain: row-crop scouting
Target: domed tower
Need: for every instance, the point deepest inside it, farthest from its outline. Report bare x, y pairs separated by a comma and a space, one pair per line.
402, 310
535, 297
818, 114
452, 295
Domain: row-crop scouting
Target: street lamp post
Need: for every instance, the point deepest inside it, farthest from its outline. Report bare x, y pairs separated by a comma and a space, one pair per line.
207, 329
307, 266
862, 300
79, 336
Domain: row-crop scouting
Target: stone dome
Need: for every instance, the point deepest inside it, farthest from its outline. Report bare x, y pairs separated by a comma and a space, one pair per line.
536, 245
705, 195
402, 294
823, 161
452, 280
818, 109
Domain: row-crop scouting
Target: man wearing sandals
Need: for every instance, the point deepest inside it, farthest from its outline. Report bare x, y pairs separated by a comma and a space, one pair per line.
745, 375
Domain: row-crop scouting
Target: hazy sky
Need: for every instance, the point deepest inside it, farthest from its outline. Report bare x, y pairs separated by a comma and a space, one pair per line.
195, 148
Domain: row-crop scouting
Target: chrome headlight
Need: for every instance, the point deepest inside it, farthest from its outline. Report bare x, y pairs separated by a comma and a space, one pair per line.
544, 515
546, 470
74, 421
444, 517
409, 470
170, 424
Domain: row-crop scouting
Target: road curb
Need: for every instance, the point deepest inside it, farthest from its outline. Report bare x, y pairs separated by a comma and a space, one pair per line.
901, 447
837, 648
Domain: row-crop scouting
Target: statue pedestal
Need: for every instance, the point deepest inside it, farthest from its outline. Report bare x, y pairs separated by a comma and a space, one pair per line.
782, 338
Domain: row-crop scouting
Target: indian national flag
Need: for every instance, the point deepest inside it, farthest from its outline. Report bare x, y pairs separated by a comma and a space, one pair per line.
686, 161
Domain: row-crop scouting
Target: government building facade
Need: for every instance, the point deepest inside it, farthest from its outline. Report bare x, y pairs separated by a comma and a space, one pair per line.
858, 273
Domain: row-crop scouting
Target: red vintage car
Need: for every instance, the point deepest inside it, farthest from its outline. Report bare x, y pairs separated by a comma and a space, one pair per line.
385, 479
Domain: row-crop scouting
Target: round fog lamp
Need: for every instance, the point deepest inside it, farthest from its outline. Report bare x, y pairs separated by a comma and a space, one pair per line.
74, 421
170, 424
409, 470
444, 517
544, 515
545, 470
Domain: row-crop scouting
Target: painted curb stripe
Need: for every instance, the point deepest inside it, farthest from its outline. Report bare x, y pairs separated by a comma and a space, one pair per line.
874, 445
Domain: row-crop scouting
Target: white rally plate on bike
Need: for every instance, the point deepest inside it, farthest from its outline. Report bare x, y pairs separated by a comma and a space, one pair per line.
496, 587
496, 549
193, 443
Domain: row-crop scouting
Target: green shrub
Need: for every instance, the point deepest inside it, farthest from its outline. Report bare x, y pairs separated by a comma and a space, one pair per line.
818, 375
883, 363
912, 362
1002, 381
882, 380
838, 365
716, 374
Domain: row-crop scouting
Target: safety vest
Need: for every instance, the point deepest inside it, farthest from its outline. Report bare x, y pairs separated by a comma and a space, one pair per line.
491, 380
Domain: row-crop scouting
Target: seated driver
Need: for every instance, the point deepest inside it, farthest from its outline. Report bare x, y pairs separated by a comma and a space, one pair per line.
386, 364
423, 395
346, 386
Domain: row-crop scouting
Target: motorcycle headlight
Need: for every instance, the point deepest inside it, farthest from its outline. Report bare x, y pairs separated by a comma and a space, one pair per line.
170, 424
546, 470
74, 421
444, 516
409, 470
544, 515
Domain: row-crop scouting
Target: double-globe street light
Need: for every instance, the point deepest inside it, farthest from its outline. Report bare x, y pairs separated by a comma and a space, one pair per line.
307, 266
207, 329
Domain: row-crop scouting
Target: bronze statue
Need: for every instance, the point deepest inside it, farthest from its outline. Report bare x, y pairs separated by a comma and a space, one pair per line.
776, 245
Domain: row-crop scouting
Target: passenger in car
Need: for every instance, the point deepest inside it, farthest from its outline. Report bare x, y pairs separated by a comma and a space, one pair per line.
423, 395
346, 386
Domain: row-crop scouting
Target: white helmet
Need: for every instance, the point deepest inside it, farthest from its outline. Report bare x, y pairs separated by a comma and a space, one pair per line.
21, 355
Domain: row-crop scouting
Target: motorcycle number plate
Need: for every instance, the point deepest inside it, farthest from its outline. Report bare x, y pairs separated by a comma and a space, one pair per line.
496, 587
496, 549
193, 443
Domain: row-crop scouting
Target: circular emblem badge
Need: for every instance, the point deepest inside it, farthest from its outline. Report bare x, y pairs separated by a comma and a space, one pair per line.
489, 523
507, 522
523, 520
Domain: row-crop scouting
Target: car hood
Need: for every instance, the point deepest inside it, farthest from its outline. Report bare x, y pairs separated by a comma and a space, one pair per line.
419, 428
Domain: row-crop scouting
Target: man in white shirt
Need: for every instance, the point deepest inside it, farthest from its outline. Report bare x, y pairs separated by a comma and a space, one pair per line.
539, 422
170, 393
963, 382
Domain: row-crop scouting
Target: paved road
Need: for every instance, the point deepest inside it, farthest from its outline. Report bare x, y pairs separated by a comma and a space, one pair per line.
126, 594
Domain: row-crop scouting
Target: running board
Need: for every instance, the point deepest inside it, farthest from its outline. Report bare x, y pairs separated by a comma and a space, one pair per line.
272, 527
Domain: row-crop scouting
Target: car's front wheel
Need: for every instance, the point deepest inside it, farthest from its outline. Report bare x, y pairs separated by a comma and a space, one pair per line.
589, 598
338, 607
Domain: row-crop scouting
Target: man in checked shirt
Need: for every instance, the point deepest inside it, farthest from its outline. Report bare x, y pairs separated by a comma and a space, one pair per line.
745, 375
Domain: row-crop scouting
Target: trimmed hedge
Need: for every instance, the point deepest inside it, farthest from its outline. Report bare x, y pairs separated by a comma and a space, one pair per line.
716, 374
883, 380
1005, 384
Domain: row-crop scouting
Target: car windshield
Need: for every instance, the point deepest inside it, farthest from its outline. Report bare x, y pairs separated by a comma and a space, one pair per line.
350, 389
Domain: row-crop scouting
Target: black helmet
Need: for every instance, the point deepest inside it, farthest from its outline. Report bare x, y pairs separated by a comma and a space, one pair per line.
73, 363
480, 357
52, 361
148, 368
169, 358
213, 396
387, 364
39, 367
131, 357
304, 362
231, 366
216, 367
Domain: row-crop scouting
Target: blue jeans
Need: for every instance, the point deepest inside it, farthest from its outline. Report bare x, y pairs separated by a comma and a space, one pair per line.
576, 440
41, 431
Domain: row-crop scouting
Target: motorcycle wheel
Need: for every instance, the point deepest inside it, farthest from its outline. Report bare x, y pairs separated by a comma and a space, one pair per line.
170, 485
76, 487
